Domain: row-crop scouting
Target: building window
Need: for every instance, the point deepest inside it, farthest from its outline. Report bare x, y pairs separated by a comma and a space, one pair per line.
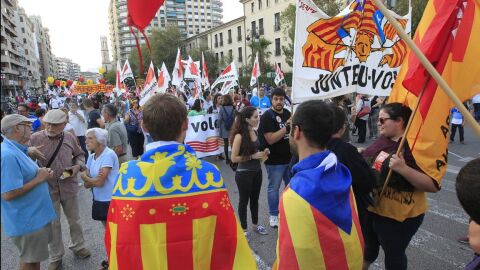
230, 55
260, 27
216, 57
240, 54
276, 22
221, 39
268, 3
229, 36
278, 50
23, 30
221, 56
216, 41
254, 29
253, 6
259, 4
239, 33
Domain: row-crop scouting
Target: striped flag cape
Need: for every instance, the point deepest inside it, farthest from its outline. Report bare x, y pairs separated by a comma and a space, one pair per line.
319, 226
170, 210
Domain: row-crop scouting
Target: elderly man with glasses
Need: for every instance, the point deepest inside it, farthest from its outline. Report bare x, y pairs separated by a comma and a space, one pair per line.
27, 210
65, 157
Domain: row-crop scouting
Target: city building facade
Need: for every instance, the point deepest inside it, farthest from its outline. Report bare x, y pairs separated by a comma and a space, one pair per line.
66, 69
48, 64
106, 63
191, 17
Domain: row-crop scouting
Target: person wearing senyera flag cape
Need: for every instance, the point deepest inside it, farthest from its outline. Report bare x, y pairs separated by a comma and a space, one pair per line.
169, 209
150, 86
319, 226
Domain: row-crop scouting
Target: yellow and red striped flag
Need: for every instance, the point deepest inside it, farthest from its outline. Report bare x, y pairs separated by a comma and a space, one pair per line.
170, 210
319, 226
449, 36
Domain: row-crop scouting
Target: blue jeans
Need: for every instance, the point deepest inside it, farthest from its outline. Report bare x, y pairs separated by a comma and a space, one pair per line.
275, 175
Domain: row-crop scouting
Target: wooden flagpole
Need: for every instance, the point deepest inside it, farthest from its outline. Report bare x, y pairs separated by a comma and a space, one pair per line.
429, 67
435, 75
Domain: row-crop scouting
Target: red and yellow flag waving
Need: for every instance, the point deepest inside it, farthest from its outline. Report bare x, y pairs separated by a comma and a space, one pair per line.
448, 35
170, 210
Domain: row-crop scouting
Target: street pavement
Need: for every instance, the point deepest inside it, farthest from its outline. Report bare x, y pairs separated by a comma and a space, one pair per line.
433, 247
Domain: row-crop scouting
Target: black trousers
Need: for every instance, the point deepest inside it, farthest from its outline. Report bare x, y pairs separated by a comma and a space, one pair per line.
392, 235
81, 141
454, 130
225, 149
249, 184
362, 129
136, 141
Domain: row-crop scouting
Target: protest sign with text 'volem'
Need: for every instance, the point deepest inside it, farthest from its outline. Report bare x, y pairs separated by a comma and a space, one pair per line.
356, 51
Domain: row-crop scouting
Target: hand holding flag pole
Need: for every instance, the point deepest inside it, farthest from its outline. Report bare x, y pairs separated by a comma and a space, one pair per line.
429, 67
434, 74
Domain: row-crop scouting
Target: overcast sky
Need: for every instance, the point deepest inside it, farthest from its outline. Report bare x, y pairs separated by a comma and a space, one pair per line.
76, 26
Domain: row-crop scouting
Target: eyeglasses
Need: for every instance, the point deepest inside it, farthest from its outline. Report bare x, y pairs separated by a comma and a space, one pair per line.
382, 120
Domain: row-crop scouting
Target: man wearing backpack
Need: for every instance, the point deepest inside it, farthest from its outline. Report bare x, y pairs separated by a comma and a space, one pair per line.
274, 129
226, 116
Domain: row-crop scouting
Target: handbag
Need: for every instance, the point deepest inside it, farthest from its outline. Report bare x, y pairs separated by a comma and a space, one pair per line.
100, 210
364, 111
132, 128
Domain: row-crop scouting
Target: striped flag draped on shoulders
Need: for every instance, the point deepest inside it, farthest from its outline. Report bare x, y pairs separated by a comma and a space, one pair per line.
319, 226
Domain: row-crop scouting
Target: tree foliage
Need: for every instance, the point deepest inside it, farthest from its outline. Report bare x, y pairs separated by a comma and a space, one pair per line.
261, 46
111, 76
212, 64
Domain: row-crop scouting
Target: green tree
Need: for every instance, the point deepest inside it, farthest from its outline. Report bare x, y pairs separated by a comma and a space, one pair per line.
330, 7
164, 44
111, 76
418, 6
261, 46
287, 17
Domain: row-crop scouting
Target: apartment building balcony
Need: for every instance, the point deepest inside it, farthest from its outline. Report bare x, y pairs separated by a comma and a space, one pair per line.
10, 71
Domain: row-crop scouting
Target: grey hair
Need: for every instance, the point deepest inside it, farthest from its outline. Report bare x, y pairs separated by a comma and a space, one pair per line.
7, 131
100, 134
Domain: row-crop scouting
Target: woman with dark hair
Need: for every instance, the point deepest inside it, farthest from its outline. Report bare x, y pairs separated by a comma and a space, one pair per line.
196, 108
397, 215
245, 152
133, 122
217, 103
226, 116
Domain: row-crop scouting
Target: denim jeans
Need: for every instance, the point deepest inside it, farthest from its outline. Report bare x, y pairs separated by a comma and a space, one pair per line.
275, 175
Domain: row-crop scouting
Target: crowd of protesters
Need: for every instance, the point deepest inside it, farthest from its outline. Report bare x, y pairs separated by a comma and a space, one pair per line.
48, 142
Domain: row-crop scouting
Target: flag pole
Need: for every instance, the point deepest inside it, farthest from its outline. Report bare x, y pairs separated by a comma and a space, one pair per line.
429, 67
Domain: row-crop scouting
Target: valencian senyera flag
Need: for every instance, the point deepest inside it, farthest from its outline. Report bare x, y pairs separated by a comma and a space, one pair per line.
170, 210
319, 226
449, 36
357, 50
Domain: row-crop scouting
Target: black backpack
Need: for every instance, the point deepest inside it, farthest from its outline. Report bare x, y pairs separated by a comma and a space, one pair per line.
230, 118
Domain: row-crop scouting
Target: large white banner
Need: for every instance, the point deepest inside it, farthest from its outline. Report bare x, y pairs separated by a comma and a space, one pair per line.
203, 135
356, 51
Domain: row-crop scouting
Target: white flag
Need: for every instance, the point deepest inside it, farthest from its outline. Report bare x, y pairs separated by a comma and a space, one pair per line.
278, 74
150, 85
229, 74
118, 80
163, 79
205, 80
177, 74
126, 72
227, 86
255, 72
192, 69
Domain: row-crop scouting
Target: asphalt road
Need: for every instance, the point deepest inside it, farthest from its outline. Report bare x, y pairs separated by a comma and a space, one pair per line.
433, 247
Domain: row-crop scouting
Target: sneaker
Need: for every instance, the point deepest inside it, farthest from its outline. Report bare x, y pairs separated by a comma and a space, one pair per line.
463, 240
260, 230
274, 221
55, 265
247, 236
82, 253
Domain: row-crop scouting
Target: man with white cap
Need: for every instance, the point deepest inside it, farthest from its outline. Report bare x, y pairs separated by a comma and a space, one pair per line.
27, 210
65, 157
